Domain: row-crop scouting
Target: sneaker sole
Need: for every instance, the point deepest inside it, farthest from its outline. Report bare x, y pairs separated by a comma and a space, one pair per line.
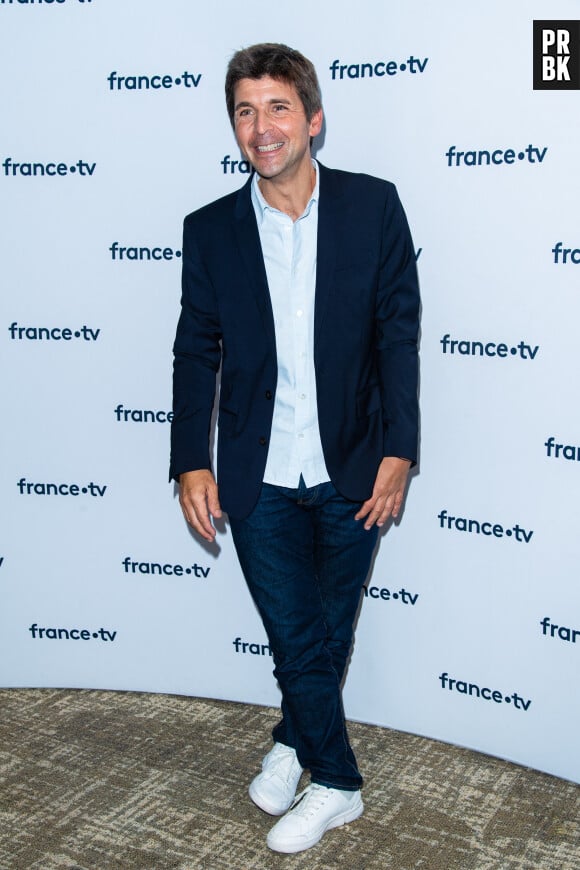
299, 845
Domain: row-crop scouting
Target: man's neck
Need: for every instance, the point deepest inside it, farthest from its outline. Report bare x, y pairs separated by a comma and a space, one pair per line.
290, 196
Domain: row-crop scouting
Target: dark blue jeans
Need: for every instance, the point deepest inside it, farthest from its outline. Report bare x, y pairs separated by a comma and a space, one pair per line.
305, 560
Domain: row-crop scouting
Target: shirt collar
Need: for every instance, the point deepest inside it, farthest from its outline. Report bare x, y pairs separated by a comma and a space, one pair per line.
261, 206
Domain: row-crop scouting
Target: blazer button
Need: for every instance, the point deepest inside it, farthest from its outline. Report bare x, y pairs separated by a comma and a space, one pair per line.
262, 441
268, 394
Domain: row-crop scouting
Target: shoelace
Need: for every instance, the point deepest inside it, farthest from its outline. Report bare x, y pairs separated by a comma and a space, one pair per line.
310, 800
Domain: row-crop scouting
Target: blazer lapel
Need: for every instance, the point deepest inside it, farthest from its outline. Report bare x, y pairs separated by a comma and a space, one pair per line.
248, 238
328, 219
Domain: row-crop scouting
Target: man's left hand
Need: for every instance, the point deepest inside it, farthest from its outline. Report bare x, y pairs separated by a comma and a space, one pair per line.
388, 492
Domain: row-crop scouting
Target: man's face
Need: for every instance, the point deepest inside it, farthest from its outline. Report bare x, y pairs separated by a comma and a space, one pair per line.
271, 127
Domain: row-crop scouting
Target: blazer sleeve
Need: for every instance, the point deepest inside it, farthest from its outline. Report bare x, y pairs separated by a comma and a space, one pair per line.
397, 330
197, 356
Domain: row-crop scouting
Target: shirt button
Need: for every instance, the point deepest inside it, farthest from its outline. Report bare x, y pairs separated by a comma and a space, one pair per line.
301, 435
299, 313
262, 441
268, 394
302, 395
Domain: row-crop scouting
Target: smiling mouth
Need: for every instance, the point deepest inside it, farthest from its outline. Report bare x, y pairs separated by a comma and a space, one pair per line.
264, 149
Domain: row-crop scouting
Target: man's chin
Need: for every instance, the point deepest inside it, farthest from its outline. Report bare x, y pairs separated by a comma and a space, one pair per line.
268, 167
266, 172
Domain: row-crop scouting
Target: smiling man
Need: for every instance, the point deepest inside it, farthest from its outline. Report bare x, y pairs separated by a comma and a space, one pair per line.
303, 286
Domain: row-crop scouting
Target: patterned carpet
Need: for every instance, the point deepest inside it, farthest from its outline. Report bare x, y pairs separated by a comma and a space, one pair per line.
95, 780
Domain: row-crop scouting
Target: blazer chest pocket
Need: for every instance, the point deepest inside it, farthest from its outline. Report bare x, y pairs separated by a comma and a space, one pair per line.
360, 261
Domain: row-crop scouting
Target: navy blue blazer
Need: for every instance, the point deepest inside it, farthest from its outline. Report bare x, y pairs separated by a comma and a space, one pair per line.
365, 340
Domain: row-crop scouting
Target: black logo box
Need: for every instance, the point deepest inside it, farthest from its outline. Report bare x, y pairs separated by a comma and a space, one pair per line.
556, 55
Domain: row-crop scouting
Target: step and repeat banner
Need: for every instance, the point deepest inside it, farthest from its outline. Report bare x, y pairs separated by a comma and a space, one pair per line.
113, 128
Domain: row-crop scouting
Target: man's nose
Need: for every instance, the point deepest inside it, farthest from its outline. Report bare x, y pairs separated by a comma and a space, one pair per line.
261, 121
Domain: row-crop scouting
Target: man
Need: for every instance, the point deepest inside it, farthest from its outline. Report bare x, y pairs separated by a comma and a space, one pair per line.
303, 286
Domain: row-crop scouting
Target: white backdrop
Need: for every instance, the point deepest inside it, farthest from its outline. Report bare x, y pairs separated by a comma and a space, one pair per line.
470, 629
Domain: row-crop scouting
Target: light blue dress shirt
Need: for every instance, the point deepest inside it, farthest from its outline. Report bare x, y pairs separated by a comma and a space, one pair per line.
289, 250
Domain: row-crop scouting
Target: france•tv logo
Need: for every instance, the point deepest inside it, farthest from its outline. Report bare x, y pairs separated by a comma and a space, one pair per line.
557, 55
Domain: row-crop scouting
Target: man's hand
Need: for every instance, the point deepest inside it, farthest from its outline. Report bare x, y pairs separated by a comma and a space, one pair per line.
198, 497
388, 492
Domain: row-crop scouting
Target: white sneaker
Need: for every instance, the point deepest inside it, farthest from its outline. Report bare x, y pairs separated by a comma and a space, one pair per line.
316, 810
274, 789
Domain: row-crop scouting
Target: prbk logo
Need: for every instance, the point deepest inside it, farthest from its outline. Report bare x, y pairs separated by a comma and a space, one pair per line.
495, 157
566, 255
488, 529
51, 333
555, 450
154, 82
464, 347
556, 55
167, 569
403, 596
254, 649
474, 691
136, 415
40, 633
550, 629
411, 65
119, 252
27, 487
81, 167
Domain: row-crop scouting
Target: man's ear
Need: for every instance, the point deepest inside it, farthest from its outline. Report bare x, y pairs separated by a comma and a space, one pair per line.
316, 123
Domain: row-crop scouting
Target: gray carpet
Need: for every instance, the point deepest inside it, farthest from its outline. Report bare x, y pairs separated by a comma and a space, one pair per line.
95, 780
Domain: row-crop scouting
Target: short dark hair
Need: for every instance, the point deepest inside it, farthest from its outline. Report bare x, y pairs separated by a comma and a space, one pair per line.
279, 62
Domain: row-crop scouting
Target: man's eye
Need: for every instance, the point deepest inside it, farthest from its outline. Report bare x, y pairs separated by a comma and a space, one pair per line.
279, 108
243, 112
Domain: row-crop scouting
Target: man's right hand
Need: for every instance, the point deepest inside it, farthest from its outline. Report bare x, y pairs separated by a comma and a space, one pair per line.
198, 497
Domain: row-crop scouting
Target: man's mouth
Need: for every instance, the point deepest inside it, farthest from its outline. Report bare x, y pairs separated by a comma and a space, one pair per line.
264, 149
